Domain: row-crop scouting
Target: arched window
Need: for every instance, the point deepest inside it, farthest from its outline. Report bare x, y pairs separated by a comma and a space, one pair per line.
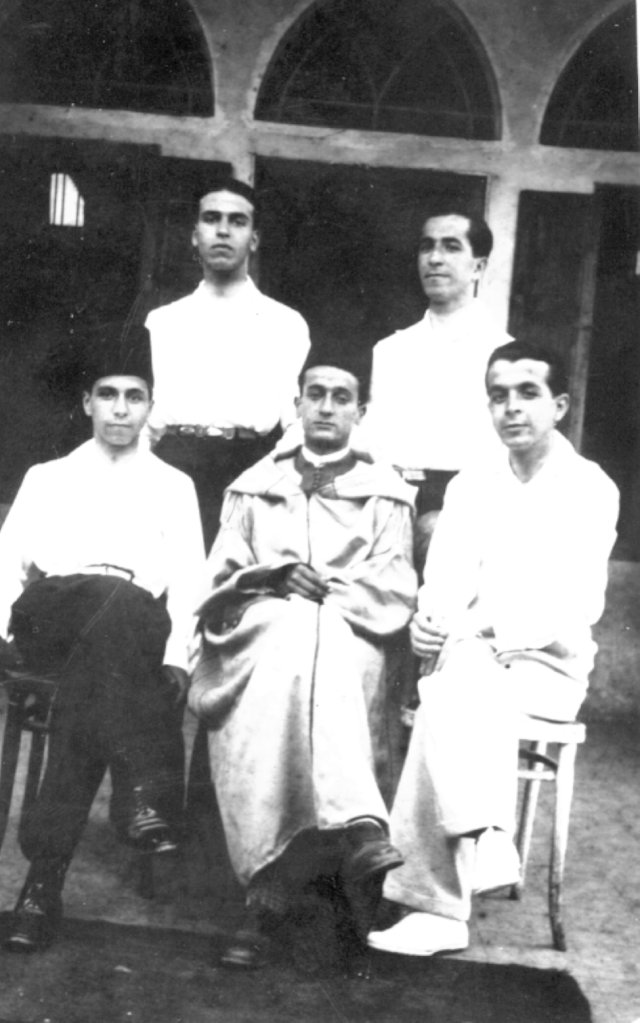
414, 66
144, 55
595, 103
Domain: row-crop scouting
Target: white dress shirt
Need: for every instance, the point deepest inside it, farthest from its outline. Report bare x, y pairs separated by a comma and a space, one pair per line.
85, 509
224, 361
528, 560
428, 400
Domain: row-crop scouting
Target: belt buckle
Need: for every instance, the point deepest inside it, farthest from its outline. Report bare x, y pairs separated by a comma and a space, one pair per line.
200, 432
228, 432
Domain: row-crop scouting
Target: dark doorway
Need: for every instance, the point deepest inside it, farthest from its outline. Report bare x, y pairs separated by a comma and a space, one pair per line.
340, 243
612, 412
575, 288
120, 248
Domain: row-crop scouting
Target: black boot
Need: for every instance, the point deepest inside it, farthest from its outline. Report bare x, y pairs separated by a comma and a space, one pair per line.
368, 855
147, 830
367, 851
38, 911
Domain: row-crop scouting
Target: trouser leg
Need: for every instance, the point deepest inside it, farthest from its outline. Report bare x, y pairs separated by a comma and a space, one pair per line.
459, 777
105, 638
213, 463
53, 825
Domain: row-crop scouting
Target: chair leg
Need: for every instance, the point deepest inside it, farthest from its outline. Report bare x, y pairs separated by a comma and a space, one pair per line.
34, 769
10, 751
527, 819
564, 795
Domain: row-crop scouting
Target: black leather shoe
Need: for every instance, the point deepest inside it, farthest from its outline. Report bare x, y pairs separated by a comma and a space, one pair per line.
38, 912
247, 950
368, 852
252, 946
147, 830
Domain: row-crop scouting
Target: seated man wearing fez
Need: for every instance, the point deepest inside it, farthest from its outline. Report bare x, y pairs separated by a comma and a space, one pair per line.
514, 579
100, 557
310, 574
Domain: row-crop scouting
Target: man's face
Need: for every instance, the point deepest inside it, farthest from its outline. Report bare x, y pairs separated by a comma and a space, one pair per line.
224, 235
522, 406
328, 408
447, 266
118, 406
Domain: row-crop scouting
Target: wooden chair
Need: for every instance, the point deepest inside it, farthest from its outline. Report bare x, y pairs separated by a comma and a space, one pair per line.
29, 708
536, 735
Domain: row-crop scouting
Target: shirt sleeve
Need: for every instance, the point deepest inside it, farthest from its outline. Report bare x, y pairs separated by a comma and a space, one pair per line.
567, 577
452, 569
300, 343
16, 563
186, 571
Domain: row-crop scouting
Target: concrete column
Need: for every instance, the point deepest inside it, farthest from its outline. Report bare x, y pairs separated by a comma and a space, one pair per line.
501, 213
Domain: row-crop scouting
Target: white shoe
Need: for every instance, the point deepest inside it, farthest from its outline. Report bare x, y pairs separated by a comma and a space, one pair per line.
421, 934
497, 862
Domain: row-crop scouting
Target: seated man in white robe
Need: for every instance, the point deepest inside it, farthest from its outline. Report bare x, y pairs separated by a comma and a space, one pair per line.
514, 579
311, 574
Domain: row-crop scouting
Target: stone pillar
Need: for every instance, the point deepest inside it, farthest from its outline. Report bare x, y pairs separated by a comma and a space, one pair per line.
501, 213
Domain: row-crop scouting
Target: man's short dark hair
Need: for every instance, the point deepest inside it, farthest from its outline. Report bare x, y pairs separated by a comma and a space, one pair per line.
479, 234
228, 185
513, 351
354, 367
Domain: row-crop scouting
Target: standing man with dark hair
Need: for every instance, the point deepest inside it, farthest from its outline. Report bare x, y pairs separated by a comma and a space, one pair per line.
101, 556
428, 416
515, 578
225, 358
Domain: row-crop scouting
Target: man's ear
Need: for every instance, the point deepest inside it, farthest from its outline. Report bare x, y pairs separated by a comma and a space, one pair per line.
481, 266
86, 403
296, 402
255, 241
362, 409
562, 406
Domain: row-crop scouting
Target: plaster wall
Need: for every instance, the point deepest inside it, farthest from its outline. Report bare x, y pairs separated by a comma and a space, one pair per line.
615, 683
527, 46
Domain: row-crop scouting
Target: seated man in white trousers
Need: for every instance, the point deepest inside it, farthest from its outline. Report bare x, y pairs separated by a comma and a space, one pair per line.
514, 579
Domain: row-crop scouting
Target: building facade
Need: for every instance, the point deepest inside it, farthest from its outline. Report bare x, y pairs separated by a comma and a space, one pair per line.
350, 115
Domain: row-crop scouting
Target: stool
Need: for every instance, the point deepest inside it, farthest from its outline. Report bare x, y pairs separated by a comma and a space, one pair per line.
29, 708
539, 734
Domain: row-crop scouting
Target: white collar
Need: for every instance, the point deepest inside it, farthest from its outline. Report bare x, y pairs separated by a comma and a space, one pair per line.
319, 460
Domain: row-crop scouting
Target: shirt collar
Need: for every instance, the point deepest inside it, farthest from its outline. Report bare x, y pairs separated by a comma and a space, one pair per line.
320, 460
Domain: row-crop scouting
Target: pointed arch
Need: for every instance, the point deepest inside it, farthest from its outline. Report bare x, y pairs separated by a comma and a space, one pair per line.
414, 67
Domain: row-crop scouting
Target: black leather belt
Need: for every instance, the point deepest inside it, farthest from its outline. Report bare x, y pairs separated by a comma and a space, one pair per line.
225, 432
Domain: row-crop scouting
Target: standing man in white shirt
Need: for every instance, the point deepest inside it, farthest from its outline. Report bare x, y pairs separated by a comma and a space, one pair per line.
225, 358
101, 556
428, 415
514, 580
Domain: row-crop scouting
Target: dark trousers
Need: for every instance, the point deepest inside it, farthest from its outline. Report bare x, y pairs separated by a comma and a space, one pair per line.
103, 638
213, 463
431, 490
